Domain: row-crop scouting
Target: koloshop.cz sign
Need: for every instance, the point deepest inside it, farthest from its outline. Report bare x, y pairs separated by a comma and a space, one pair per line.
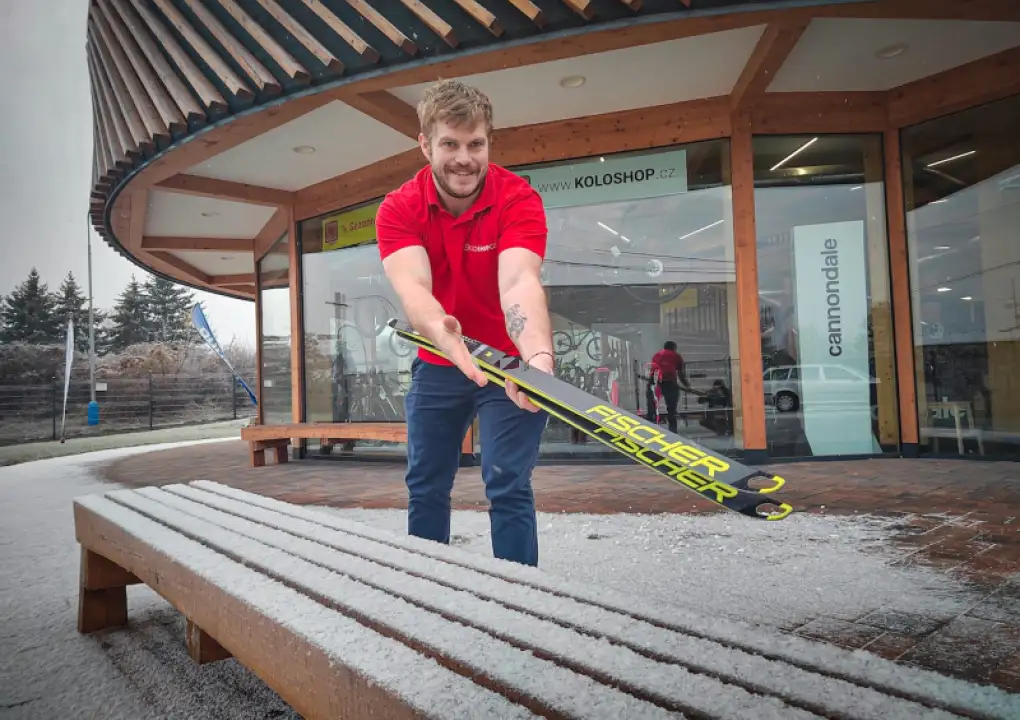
594, 181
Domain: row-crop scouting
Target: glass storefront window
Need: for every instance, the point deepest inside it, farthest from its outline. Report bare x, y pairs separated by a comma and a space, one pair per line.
823, 281
274, 300
640, 253
962, 195
356, 369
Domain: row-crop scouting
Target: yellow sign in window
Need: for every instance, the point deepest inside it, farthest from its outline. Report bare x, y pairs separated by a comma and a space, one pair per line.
349, 228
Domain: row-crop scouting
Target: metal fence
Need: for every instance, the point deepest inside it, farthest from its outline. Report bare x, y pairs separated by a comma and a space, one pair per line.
33, 412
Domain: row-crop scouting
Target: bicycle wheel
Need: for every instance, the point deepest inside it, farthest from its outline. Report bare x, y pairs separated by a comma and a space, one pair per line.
592, 348
562, 342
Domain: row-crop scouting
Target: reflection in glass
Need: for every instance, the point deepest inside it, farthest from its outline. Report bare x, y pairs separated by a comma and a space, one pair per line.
633, 264
274, 299
356, 369
824, 299
962, 195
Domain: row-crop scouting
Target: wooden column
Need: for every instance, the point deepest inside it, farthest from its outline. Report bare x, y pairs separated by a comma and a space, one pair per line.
745, 250
259, 412
297, 398
899, 273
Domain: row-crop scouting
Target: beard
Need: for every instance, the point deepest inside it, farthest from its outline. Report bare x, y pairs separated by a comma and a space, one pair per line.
469, 179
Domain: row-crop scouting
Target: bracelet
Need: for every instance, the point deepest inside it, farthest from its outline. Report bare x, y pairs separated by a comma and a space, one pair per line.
541, 352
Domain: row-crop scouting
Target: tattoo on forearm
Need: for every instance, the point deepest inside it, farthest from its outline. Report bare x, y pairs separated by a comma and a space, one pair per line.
515, 321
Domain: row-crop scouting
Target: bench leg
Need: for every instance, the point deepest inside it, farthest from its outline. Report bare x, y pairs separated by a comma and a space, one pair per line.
258, 455
102, 595
201, 646
282, 455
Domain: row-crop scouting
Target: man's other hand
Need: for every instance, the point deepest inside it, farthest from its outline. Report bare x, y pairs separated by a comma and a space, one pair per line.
540, 362
448, 337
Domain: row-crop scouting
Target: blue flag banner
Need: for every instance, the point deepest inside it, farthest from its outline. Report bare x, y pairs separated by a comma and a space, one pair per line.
202, 325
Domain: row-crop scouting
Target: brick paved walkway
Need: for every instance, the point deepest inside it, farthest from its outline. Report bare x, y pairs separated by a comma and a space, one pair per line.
960, 517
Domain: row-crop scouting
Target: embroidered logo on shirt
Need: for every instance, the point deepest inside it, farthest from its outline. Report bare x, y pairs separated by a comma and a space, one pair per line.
468, 247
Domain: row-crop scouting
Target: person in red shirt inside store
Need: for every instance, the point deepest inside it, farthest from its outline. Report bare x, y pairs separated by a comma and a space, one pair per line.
669, 365
462, 243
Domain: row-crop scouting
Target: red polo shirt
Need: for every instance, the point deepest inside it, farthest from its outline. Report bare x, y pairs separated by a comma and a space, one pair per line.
464, 251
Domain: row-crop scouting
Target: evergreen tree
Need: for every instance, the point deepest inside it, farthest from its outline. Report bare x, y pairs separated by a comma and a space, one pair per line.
169, 310
72, 303
28, 313
130, 318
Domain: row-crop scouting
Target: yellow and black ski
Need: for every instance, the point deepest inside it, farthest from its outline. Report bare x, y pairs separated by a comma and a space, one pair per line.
697, 468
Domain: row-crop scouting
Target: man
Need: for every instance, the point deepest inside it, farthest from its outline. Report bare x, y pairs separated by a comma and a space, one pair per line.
462, 243
670, 366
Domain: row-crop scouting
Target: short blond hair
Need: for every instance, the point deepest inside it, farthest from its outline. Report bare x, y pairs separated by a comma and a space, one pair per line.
454, 102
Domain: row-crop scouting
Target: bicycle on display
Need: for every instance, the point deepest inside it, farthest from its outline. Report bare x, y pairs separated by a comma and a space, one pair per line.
564, 342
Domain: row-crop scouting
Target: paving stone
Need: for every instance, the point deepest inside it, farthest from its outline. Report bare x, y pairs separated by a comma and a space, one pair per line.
998, 608
903, 623
967, 647
840, 632
891, 645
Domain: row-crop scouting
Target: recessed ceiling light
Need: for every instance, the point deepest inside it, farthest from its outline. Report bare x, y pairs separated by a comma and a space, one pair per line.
966, 297
304, 149
941, 247
891, 51
573, 81
944, 289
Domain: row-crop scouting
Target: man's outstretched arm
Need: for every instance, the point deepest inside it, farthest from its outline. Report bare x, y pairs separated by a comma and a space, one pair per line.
525, 309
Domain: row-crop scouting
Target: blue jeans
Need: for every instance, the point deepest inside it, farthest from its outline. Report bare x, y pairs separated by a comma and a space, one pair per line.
440, 406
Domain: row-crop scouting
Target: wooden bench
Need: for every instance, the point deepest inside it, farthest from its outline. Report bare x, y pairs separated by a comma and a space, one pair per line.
278, 437
347, 621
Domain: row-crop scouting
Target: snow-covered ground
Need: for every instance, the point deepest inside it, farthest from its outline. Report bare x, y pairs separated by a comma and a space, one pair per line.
772, 573
782, 574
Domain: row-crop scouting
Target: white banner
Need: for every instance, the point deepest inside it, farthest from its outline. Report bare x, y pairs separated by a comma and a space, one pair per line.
68, 360
830, 268
592, 181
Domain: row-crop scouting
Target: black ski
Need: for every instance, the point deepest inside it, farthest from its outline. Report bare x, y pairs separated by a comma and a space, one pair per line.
699, 469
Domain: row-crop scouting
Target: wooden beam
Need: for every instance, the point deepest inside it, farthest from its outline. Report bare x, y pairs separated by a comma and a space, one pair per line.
439, 26
271, 232
200, 244
771, 51
138, 209
825, 112
295, 70
225, 190
745, 252
181, 265
358, 185
481, 15
981, 81
296, 326
234, 279
531, 11
899, 272
384, 26
367, 53
388, 109
300, 34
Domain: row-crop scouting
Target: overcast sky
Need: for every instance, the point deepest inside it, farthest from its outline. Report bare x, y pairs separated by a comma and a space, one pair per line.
46, 163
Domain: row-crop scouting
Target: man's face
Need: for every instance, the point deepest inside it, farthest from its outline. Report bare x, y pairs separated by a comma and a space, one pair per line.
459, 157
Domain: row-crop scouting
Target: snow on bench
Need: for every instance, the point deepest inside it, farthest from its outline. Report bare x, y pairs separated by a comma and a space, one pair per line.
415, 628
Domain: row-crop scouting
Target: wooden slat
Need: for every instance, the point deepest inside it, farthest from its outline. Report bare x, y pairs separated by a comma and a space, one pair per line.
388, 109
154, 125
771, 51
295, 70
384, 26
104, 154
117, 159
439, 26
264, 80
633, 4
393, 432
207, 92
299, 33
584, 8
745, 252
225, 190
531, 11
121, 131
181, 94
899, 273
201, 244
485, 18
169, 113
362, 48
101, 57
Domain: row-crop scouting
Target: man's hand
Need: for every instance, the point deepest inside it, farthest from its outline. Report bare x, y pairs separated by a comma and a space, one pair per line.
448, 337
541, 362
